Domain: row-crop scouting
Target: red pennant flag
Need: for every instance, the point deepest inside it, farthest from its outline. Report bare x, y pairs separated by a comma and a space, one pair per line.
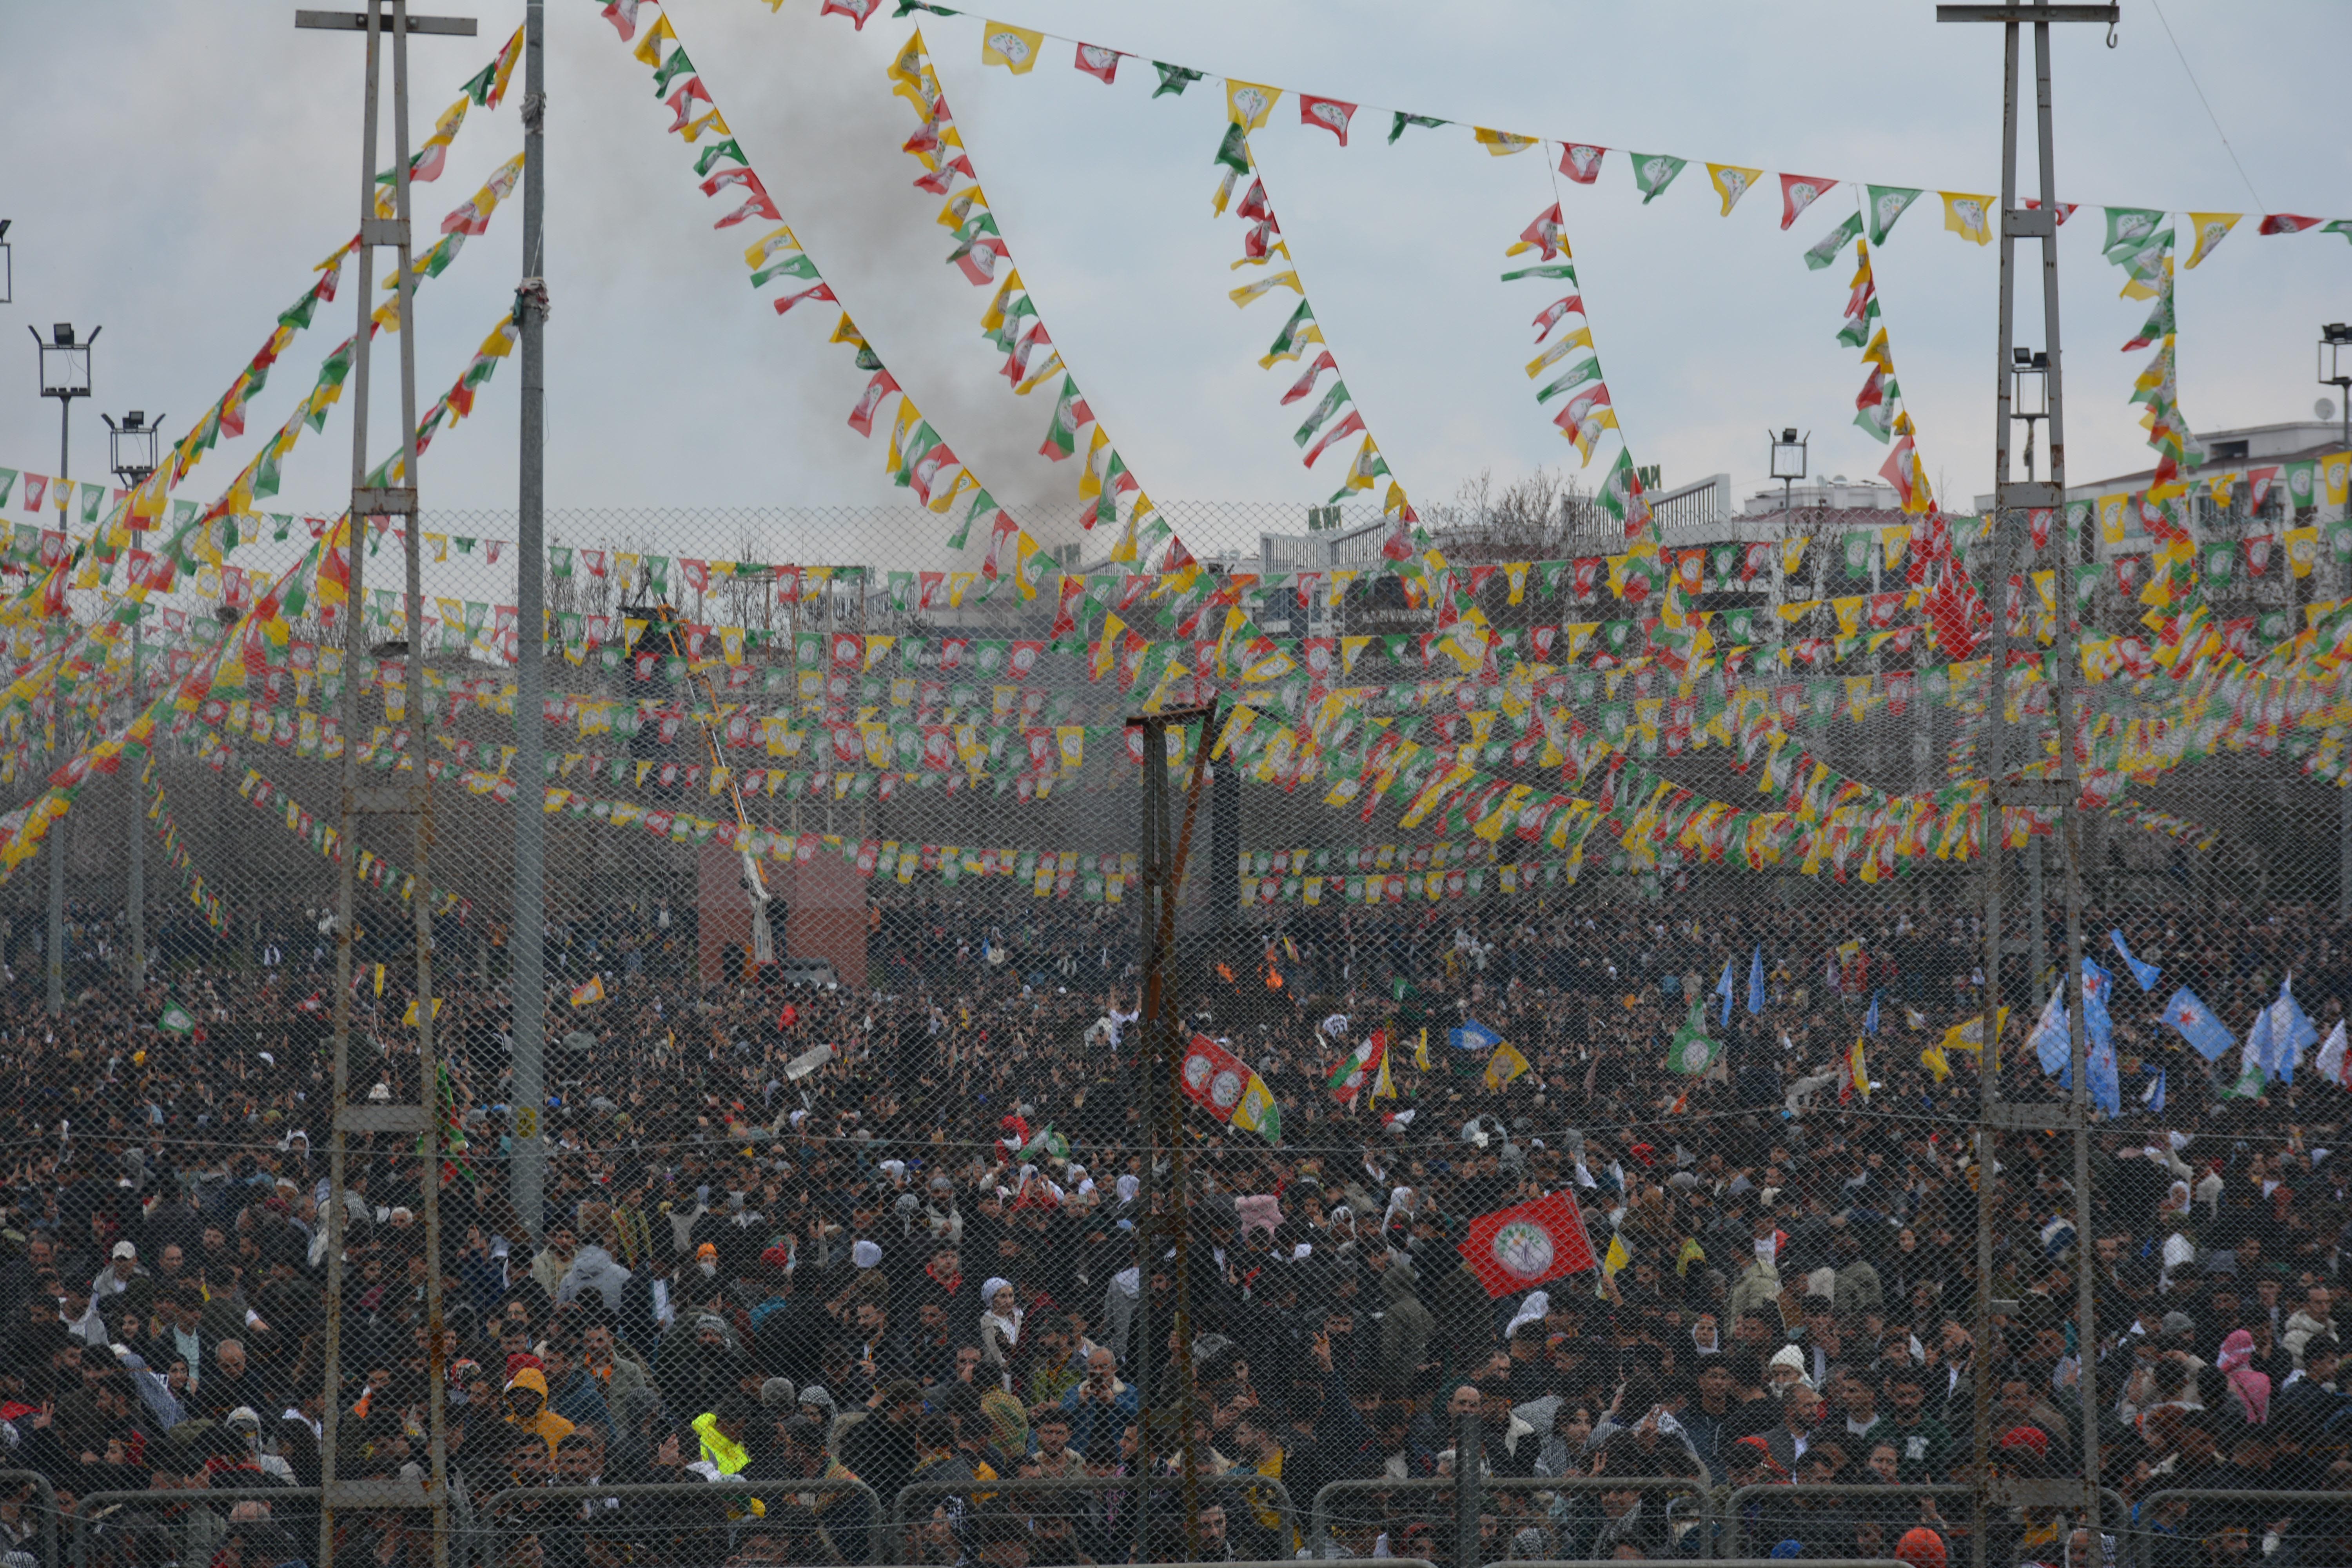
1330, 113
1519, 1247
861, 418
1099, 63
1549, 316
1799, 192
1579, 163
2285, 223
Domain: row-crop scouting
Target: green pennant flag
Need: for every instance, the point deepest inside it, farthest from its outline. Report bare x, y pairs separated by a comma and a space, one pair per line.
1826, 249
1887, 203
1397, 126
1653, 172
1173, 78
718, 150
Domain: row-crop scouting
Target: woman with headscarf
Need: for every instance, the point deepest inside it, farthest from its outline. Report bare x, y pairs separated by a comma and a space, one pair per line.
2250, 1388
1000, 1324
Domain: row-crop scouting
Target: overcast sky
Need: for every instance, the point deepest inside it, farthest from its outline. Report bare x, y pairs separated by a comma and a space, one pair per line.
177, 167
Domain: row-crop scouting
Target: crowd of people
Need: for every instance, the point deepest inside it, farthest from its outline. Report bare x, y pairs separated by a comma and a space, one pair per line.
797, 1288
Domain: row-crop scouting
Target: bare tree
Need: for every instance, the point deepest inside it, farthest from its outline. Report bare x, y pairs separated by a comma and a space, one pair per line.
1535, 517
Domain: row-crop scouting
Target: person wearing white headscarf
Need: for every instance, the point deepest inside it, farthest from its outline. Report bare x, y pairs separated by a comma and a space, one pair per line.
999, 1323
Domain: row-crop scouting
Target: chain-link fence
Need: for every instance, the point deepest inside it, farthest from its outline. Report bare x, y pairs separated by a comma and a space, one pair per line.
1469, 898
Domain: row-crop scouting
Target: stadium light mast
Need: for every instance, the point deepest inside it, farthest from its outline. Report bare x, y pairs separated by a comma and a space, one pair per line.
2056, 788
65, 375
131, 448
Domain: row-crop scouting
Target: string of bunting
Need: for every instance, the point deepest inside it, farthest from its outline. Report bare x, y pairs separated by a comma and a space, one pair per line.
1012, 322
175, 852
920, 458
1969, 214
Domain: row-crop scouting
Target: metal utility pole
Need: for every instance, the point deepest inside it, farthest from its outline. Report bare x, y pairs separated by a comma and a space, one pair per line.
526, 931
412, 799
1165, 1226
137, 887
2056, 785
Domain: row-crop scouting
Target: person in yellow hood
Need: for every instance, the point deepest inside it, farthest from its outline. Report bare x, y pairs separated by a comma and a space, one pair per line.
526, 1403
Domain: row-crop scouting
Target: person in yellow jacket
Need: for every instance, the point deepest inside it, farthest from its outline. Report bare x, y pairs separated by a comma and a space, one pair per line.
526, 1396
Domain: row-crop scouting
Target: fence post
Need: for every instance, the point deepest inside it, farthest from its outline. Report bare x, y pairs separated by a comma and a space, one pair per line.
1468, 1467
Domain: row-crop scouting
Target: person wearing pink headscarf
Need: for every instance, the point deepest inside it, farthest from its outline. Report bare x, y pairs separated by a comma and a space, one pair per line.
2253, 1388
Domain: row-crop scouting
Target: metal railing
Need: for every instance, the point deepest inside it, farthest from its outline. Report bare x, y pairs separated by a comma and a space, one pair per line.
1734, 1505
88, 1507
767, 1492
1123, 1488
1720, 1562
2137, 1542
1323, 1513
48, 1505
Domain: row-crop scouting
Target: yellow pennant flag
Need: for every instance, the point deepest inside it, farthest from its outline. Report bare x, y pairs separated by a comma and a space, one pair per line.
1731, 183
1970, 1035
2211, 228
1507, 1065
1248, 103
649, 51
1692, 1252
1248, 292
1421, 1050
379, 980
1934, 1060
1503, 143
1014, 48
1616, 1258
1969, 216
409, 1017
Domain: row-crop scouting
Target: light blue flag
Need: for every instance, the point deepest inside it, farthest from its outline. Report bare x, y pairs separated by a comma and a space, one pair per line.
2254, 1060
1473, 1036
2153, 1095
2290, 1034
2106, 1087
2146, 973
2097, 982
2052, 1039
2052, 1045
1870, 1019
1723, 989
2195, 1023
1756, 983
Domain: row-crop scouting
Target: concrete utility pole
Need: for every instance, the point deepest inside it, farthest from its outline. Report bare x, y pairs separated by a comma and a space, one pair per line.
412, 799
2054, 782
527, 931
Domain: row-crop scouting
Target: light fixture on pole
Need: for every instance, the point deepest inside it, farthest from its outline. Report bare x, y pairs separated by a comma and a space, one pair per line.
7, 267
2028, 375
65, 375
130, 446
2336, 369
1788, 464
